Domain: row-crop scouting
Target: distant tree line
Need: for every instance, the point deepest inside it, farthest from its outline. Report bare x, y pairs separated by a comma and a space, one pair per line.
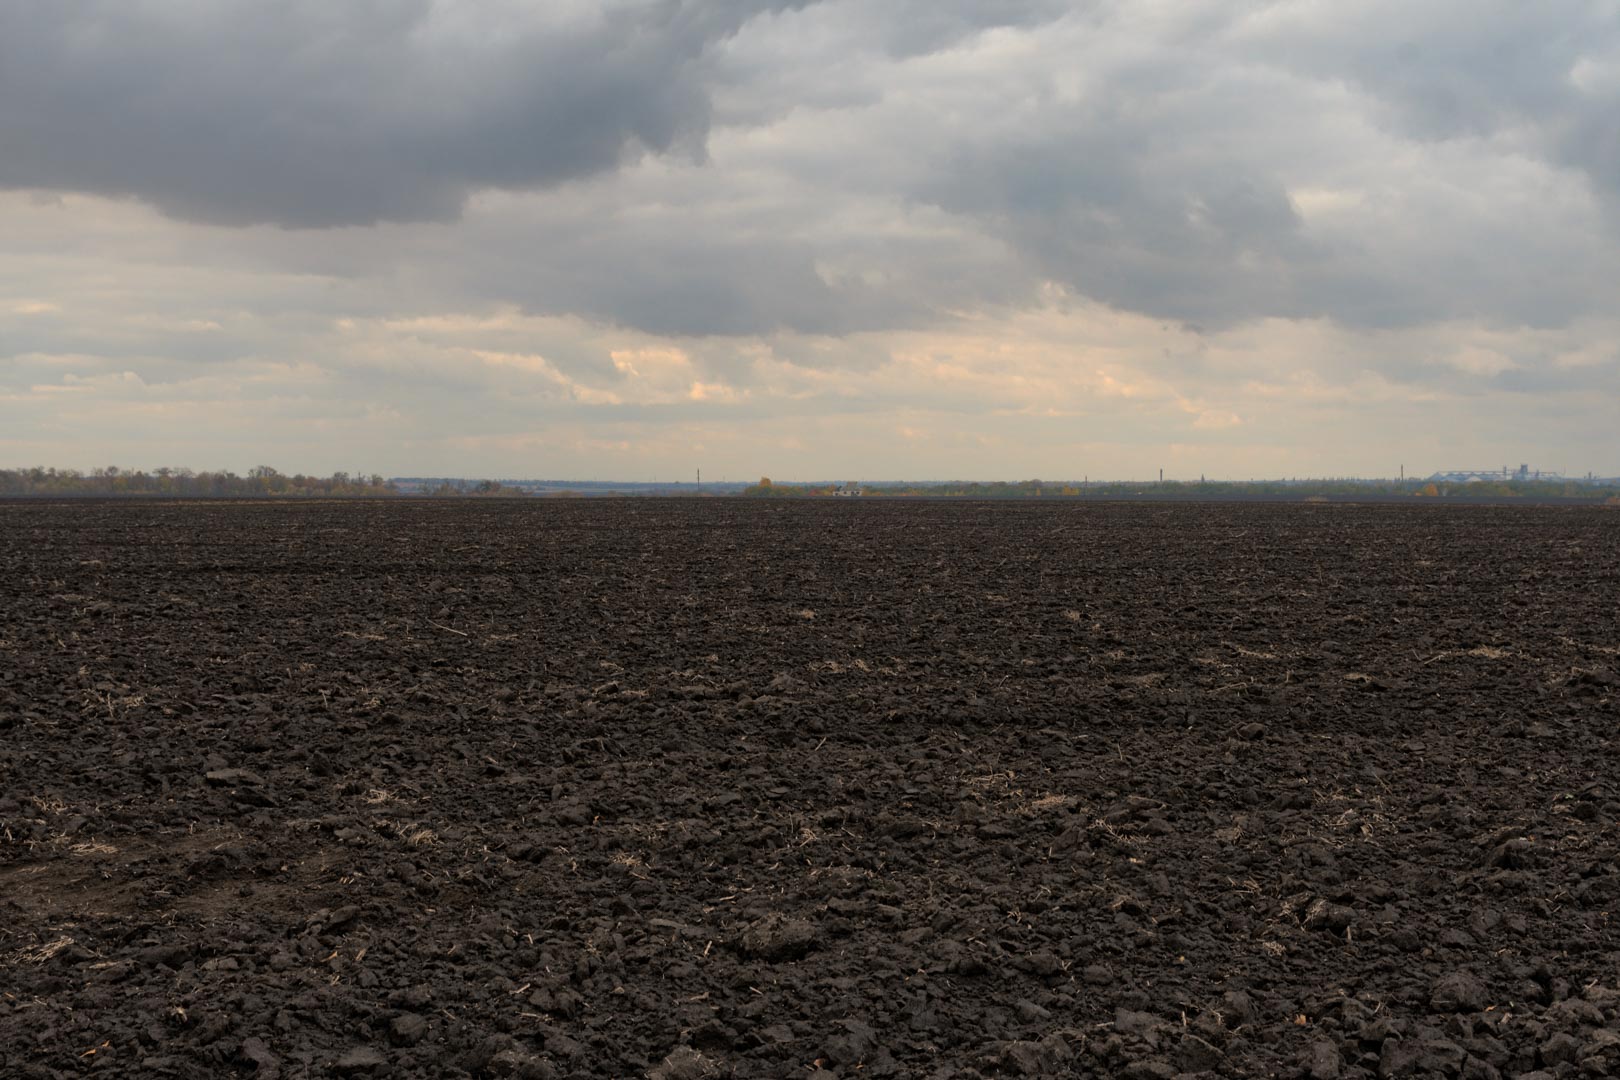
183, 483
1302, 489
459, 488
1496, 489
767, 490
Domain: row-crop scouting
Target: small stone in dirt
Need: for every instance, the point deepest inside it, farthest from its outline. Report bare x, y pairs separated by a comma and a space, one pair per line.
1029, 1012
232, 777
1251, 732
852, 1045
559, 1045
1560, 1048
360, 1059
257, 1054
714, 1036
168, 955
1603, 1047
515, 1063
1141, 1024
1044, 963
1457, 992
1197, 1055
880, 1064
1331, 917
683, 1063
1238, 1008
407, 1029
1512, 854
1322, 1061
1029, 1058
1420, 1056
776, 937
340, 918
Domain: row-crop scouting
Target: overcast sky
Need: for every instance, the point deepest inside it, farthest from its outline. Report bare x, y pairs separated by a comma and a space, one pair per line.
919, 238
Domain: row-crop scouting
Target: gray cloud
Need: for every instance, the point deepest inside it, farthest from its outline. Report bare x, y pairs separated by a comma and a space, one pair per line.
1546, 75
908, 28
314, 114
1152, 158
1162, 179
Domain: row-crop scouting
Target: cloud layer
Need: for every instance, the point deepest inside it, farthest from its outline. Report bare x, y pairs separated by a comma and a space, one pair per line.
309, 114
824, 237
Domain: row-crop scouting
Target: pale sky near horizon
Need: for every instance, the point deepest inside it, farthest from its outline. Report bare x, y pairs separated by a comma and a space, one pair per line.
921, 238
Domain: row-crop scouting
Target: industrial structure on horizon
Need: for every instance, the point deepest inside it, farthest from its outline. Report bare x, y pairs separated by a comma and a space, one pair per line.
1523, 472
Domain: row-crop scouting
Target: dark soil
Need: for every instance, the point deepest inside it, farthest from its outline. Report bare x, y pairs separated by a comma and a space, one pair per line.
694, 789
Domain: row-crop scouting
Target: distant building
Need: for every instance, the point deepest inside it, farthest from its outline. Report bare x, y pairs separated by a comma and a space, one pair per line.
1474, 476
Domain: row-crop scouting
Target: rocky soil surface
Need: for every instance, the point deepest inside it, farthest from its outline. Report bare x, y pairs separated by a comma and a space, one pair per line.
715, 788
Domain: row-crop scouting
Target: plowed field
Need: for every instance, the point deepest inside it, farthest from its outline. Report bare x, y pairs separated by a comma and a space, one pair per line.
712, 788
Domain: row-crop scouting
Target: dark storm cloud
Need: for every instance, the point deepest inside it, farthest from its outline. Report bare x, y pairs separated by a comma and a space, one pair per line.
837, 167
311, 113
